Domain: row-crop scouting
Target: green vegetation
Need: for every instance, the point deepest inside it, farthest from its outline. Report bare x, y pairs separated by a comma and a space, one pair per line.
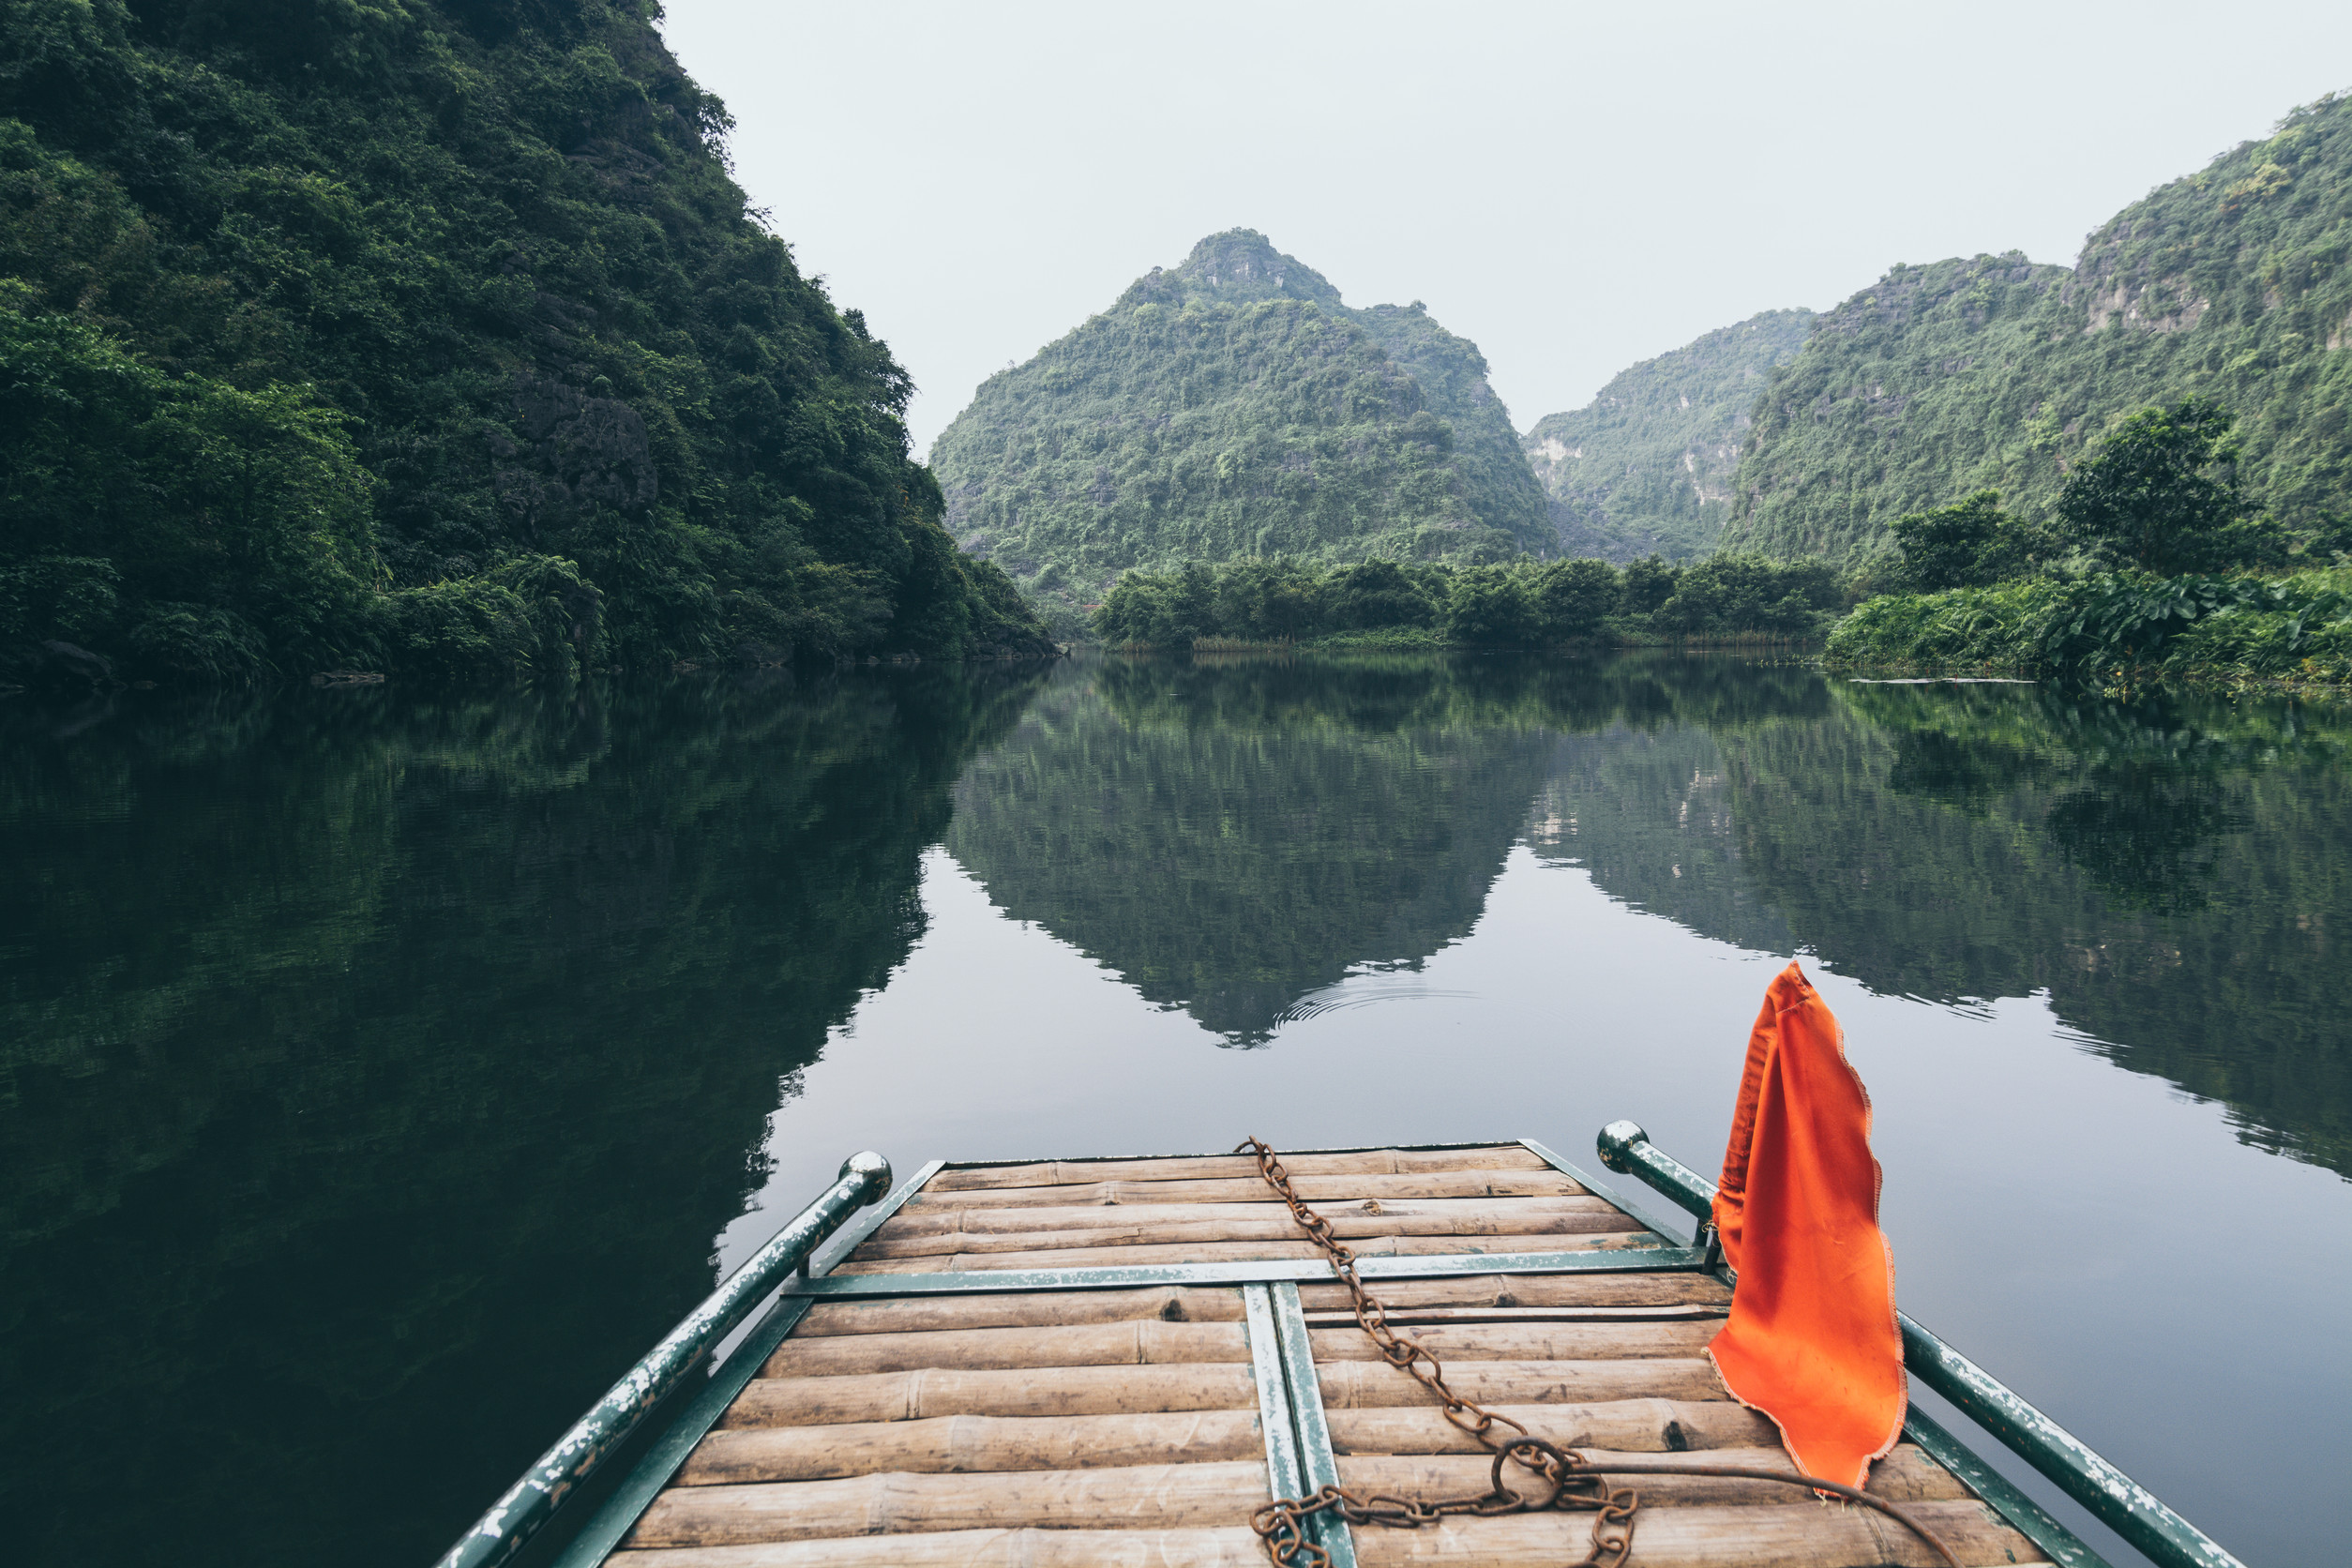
1995, 373
1234, 407
2294, 628
1969, 543
432, 337
1520, 605
1647, 466
2158, 499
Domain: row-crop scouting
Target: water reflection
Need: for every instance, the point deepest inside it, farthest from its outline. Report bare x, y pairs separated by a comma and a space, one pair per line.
362, 1055
374, 1073
1234, 836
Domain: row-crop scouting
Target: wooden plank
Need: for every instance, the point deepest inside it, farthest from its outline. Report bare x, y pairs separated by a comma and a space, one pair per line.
1427, 1317
1048, 1392
969, 1443
1545, 1182
1196, 1252
1144, 1342
1443, 1216
980, 1548
1368, 1162
1133, 1227
1802, 1536
1350, 1384
1143, 1497
1458, 1344
1906, 1475
1175, 1303
1629, 1290
1625, 1425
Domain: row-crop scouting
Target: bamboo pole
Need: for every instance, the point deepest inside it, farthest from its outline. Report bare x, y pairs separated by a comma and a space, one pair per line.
1800, 1535
1905, 1475
1351, 1383
1623, 1425
1249, 1189
1145, 1341
1142, 1497
1234, 1547
1041, 1392
1175, 1303
1366, 1162
1590, 1289
1205, 1252
972, 1443
1468, 1342
1439, 1215
1142, 1226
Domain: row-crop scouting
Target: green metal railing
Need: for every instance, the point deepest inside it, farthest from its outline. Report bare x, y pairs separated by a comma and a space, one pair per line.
528, 1504
2113, 1498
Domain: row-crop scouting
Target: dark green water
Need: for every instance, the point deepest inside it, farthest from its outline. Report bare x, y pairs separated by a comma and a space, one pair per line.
378, 1077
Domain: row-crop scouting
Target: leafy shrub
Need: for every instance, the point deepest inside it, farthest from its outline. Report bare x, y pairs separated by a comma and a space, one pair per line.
2299, 625
1726, 596
1969, 543
1492, 607
1574, 598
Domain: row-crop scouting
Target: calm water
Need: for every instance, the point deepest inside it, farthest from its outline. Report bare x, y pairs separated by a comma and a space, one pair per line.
379, 1077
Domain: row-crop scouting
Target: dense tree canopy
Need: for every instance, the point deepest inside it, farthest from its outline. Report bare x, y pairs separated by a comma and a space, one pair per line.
1996, 372
1233, 406
431, 332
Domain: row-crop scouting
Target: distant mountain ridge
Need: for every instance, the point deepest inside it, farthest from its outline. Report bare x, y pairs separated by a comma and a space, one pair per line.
1234, 406
1647, 466
2234, 282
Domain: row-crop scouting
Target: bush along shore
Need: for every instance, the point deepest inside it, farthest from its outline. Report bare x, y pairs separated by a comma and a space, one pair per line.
1727, 599
2150, 564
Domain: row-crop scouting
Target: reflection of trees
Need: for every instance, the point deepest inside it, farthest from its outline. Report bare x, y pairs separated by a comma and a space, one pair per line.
1231, 835
370, 1061
2168, 870
2149, 843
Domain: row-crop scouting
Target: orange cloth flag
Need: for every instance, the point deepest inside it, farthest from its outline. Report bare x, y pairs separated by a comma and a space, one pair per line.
1812, 1341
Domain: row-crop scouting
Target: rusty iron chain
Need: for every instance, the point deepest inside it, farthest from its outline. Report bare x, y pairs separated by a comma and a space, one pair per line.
1575, 1480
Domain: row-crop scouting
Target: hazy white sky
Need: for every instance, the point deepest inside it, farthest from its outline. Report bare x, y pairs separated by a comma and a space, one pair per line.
1575, 187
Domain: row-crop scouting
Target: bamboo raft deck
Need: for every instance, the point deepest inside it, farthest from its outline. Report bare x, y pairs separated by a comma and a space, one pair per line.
1115, 1361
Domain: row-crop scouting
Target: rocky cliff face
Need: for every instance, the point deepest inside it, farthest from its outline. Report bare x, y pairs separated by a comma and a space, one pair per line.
2234, 282
1229, 406
1647, 465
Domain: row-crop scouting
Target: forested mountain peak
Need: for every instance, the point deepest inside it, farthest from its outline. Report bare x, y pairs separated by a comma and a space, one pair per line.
2233, 283
1235, 267
1647, 465
1234, 406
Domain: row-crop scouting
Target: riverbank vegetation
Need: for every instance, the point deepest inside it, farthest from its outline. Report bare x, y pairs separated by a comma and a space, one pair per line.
433, 339
1523, 603
2151, 562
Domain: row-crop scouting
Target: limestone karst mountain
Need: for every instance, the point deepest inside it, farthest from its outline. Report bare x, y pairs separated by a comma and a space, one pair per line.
2234, 282
1647, 465
1230, 406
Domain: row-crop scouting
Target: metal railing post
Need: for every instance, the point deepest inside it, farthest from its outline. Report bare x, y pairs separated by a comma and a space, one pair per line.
2116, 1501
527, 1505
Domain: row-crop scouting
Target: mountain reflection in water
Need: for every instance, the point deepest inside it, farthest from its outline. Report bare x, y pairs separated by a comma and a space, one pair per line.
376, 1071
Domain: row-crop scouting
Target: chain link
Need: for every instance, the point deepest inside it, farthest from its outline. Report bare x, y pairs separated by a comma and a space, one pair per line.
1567, 1479
1570, 1480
